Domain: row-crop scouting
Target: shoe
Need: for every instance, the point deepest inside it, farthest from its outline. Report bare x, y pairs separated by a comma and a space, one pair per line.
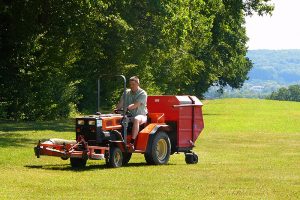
131, 147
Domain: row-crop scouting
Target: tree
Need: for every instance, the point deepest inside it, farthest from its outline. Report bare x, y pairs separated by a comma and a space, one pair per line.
52, 52
38, 50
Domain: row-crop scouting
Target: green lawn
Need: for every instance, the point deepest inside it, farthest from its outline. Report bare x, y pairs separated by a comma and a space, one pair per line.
250, 149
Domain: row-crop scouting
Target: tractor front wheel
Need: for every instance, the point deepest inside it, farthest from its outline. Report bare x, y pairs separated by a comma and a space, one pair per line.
126, 158
115, 158
78, 162
160, 150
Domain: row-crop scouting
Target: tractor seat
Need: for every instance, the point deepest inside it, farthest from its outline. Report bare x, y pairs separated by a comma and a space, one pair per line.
151, 118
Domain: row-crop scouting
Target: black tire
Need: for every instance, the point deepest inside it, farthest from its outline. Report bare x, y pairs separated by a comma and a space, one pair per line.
64, 158
191, 158
126, 158
115, 158
107, 157
78, 162
148, 159
160, 150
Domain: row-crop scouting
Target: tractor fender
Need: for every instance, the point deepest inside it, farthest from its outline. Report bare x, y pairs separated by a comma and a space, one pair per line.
153, 133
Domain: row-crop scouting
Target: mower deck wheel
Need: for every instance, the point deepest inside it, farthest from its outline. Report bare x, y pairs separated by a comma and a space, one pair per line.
191, 158
78, 162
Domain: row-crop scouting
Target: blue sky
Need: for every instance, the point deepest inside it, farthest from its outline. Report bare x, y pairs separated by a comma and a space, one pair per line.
279, 31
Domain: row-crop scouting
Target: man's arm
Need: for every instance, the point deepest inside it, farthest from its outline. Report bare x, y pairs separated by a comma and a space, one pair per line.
140, 100
134, 105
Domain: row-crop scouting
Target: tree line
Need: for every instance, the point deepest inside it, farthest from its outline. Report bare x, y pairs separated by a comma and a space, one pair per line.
53, 51
291, 93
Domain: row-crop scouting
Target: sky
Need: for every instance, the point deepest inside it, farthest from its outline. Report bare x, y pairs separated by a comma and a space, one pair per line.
279, 31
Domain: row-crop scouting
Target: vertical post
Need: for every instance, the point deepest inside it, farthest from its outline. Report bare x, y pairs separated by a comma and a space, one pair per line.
124, 96
98, 96
125, 119
193, 123
193, 119
125, 125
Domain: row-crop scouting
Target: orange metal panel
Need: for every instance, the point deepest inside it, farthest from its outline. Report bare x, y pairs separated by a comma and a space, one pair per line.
142, 138
157, 117
111, 123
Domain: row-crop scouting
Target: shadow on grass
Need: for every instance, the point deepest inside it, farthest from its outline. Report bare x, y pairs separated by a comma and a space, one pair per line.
59, 125
67, 167
14, 140
12, 132
212, 114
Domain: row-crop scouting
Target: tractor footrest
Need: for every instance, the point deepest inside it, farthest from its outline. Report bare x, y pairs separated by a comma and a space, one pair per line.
138, 151
95, 156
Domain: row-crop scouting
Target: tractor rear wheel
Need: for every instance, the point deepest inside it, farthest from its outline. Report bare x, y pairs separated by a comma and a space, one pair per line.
191, 158
78, 162
115, 158
160, 150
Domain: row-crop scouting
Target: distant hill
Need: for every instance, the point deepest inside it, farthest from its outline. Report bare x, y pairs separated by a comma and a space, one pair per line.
271, 70
281, 66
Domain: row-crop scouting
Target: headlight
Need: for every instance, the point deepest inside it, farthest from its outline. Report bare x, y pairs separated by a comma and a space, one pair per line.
80, 122
92, 122
99, 123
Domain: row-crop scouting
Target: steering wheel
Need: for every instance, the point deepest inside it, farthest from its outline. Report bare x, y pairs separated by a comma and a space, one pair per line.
120, 111
128, 113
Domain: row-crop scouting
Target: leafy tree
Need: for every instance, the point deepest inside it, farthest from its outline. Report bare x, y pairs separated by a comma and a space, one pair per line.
52, 52
294, 91
37, 52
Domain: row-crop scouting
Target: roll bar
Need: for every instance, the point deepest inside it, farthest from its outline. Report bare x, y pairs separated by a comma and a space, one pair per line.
124, 122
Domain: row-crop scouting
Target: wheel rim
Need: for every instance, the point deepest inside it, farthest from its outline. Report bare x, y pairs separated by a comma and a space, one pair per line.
118, 158
161, 149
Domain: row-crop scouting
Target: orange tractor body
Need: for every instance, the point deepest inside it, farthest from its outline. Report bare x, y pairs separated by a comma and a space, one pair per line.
174, 124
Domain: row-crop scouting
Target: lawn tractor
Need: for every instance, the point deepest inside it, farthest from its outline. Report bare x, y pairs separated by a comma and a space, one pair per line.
174, 123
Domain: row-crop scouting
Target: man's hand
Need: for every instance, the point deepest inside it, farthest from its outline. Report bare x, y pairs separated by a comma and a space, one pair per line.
115, 111
133, 106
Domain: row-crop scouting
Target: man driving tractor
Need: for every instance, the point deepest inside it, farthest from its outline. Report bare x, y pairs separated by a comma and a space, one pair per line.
136, 103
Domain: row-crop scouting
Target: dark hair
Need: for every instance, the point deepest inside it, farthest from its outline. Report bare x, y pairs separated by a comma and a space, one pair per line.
135, 78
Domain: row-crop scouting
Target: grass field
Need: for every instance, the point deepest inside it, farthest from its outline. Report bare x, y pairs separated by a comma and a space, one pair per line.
250, 149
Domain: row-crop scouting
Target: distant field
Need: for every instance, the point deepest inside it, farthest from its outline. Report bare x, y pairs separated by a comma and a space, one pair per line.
250, 149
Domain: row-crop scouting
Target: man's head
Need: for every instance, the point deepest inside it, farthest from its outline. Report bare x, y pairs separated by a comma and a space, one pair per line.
134, 83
